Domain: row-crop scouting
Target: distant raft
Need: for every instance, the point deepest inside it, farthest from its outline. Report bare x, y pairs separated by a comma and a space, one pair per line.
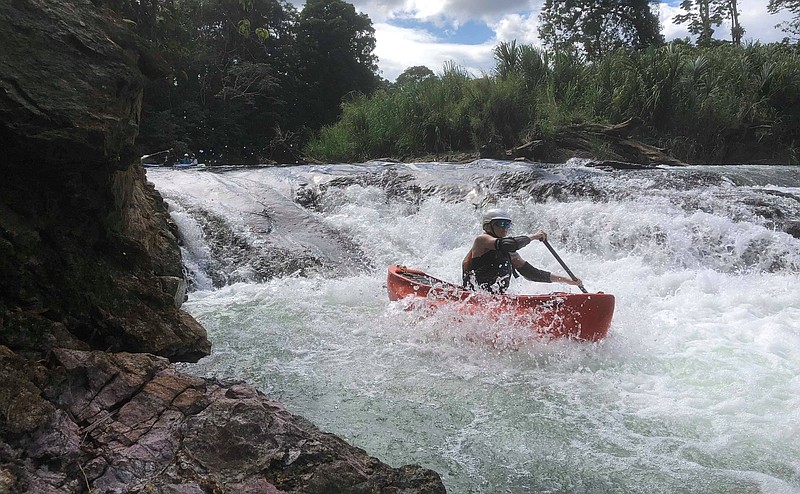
580, 316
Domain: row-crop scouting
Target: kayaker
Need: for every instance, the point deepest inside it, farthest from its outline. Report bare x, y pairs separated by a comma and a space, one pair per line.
493, 258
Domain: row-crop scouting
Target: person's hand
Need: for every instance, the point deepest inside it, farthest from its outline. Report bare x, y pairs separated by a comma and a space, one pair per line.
540, 235
577, 282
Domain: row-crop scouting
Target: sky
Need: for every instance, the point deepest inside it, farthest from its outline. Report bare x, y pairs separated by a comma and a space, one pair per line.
434, 32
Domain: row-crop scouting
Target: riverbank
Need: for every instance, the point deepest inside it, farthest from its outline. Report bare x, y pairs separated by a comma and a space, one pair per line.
619, 145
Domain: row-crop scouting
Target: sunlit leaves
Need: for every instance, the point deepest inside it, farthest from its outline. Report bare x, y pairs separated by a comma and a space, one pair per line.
244, 27
262, 33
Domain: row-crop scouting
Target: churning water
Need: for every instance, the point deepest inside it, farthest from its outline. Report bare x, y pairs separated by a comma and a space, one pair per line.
696, 389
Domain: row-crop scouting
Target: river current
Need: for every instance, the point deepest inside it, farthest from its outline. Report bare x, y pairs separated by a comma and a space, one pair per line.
696, 389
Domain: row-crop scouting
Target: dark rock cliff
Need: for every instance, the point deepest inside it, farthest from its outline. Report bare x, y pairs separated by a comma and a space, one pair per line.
84, 248
90, 289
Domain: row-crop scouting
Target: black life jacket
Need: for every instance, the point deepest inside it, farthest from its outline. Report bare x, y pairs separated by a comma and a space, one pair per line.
491, 272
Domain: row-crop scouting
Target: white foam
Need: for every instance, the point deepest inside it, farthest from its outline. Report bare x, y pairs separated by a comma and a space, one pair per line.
697, 386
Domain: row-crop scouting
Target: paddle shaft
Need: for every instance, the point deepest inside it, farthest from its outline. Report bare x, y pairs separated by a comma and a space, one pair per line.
574, 278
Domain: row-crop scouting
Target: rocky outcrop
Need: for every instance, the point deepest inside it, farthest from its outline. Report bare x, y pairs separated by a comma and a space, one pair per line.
132, 423
90, 289
87, 258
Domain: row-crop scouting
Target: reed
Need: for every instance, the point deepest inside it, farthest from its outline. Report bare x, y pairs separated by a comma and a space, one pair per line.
701, 104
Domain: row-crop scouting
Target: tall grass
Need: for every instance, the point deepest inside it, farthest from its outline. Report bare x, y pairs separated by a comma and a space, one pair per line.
702, 104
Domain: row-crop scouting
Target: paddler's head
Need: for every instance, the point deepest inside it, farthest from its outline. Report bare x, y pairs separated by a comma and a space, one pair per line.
496, 222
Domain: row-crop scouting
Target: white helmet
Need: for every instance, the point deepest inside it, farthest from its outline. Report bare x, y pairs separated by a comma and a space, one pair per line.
495, 214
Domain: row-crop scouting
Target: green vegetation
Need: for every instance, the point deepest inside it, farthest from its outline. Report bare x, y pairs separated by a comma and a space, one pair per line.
793, 26
249, 80
597, 27
701, 104
702, 15
258, 80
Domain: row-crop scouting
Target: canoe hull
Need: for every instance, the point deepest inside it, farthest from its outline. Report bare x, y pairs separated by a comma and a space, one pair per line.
582, 316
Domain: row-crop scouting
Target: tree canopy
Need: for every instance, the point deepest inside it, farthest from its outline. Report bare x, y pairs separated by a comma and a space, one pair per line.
335, 45
597, 27
417, 73
792, 27
254, 80
703, 15
248, 72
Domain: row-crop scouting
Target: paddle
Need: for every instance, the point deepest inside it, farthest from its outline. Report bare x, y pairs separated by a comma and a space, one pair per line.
547, 244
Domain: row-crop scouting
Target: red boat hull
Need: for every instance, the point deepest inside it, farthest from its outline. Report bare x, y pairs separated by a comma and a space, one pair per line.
583, 316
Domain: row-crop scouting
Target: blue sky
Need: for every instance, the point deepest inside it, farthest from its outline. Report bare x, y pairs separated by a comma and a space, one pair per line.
433, 32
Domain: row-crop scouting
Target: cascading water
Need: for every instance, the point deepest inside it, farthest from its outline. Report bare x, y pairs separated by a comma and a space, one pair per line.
696, 389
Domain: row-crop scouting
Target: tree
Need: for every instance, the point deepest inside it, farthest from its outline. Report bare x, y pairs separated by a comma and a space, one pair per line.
702, 15
417, 73
793, 6
596, 27
507, 58
245, 72
335, 48
737, 31
230, 83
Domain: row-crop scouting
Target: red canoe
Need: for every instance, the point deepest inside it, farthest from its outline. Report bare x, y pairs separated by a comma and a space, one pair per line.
583, 316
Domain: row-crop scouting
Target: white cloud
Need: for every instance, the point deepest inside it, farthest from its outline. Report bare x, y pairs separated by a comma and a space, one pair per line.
669, 29
759, 24
399, 48
442, 12
523, 28
481, 9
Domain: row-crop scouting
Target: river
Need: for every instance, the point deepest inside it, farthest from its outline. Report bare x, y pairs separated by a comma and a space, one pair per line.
696, 389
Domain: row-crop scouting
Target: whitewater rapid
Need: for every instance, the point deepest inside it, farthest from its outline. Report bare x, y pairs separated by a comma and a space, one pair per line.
696, 389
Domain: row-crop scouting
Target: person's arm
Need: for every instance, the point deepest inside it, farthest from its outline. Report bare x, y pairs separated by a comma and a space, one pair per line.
539, 275
563, 279
511, 244
485, 242
535, 274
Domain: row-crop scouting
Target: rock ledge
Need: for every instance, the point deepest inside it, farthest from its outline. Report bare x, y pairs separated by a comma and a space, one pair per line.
129, 422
